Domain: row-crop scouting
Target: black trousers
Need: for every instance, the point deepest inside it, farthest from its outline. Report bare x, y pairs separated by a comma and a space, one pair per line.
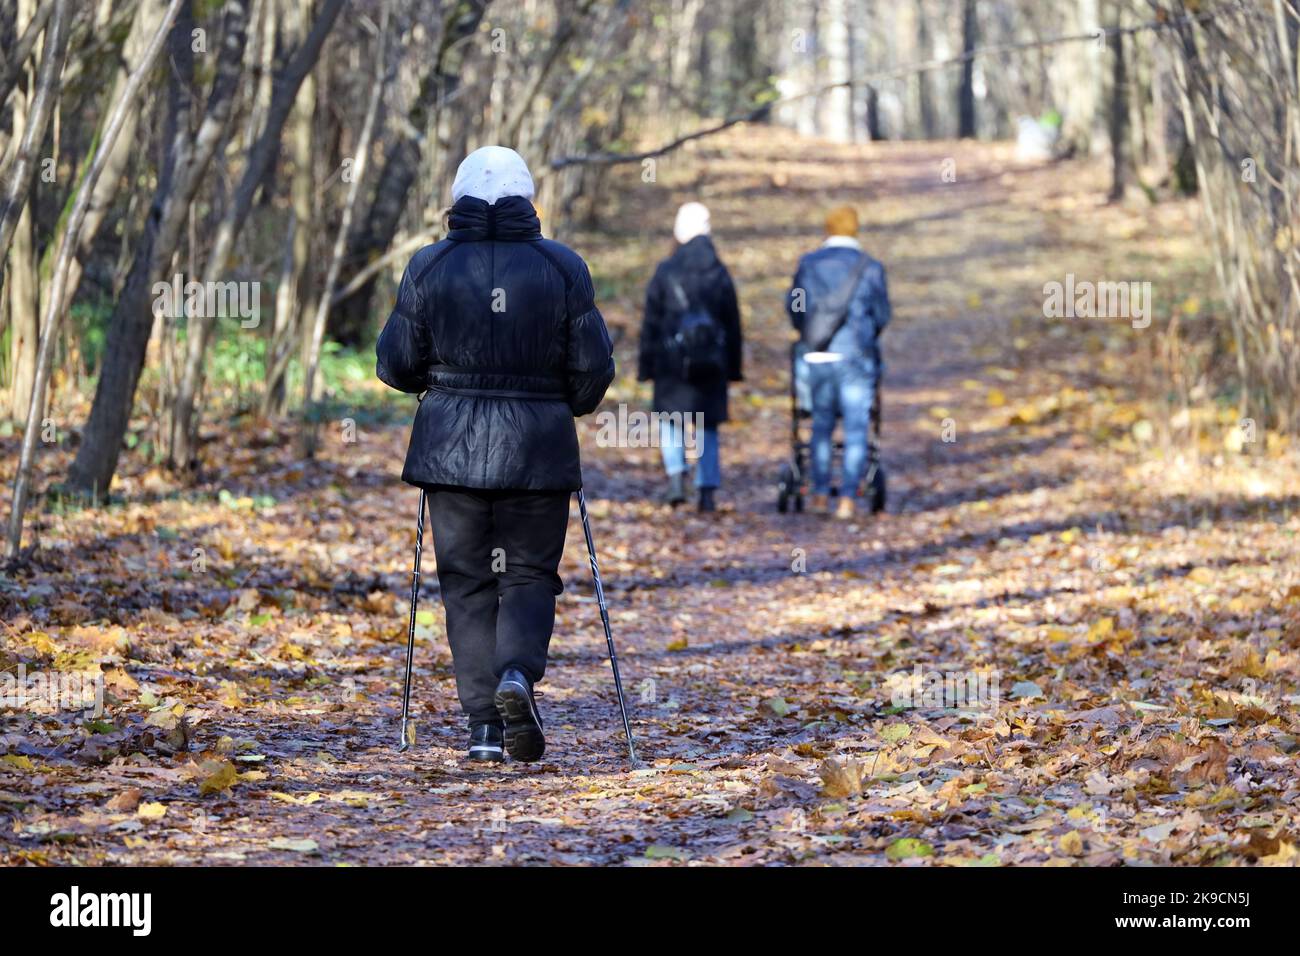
498, 556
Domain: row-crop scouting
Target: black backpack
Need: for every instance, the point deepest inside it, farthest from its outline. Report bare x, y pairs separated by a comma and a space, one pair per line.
697, 351
829, 316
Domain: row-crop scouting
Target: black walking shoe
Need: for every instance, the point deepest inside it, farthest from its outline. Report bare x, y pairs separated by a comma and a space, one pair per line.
485, 743
706, 500
676, 493
514, 700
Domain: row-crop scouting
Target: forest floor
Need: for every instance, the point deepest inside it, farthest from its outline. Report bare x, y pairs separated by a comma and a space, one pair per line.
1122, 588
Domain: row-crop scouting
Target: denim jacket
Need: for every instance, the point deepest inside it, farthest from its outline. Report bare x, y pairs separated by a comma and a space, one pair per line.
820, 274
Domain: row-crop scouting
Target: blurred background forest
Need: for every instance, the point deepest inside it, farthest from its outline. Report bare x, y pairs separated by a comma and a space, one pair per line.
304, 149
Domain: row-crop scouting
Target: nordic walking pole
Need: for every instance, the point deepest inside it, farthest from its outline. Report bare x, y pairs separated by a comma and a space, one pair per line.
405, 742
604, 619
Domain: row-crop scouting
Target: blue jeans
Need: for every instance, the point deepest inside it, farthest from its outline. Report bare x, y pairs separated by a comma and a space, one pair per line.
843, 389
672, 445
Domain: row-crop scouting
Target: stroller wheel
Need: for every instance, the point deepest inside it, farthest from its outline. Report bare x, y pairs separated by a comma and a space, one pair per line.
878, 492
785, 488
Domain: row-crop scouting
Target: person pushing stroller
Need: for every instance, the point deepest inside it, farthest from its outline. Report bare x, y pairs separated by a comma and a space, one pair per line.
839, 304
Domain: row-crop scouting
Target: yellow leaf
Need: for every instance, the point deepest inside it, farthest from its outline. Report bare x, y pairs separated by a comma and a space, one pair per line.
996, 398
302, 800
1101, 629
1071, 844
41, 643
151, 811
221, 775
230, 696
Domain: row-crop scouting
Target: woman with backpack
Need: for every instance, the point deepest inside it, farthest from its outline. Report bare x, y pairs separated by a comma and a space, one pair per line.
690, 348
498, 329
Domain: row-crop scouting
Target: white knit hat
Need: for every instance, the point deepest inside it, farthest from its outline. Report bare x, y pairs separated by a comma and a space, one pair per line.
492, 173
692, 221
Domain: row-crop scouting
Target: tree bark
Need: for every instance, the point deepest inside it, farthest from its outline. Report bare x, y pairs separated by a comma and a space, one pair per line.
23, 289
184, 167
290, 299
148, 15
1119, 118
184, 437
22, 171
340, 242
13, 67
924, 91
401, 167
55, 307
966, 91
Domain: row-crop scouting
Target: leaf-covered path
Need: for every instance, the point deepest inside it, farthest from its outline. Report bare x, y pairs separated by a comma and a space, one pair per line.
1139, 609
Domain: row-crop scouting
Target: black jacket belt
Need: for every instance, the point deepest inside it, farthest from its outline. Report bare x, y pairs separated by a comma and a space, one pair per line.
552, 391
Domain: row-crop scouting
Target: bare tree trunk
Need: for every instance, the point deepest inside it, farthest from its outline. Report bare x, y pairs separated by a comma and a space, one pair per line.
148, 15
184, 168
23, 169
55, 307
836, 105
382, 72
23, 289
966, 92
1119, 117
16, 59
290, 298
184, 444
924, 91
402, 165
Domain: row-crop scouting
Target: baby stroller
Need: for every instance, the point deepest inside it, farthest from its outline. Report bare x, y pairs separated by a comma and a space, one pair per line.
792, 482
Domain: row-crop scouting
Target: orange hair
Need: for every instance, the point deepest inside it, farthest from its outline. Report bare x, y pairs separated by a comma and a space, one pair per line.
842, 221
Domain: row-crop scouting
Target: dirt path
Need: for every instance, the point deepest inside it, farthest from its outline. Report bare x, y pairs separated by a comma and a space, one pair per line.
1140, 614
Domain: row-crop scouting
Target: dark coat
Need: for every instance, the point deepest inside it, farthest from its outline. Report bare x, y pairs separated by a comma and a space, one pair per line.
501, 327
706, 283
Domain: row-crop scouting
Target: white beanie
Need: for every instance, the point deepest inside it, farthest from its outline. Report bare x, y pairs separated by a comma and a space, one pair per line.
492, 173
692, 221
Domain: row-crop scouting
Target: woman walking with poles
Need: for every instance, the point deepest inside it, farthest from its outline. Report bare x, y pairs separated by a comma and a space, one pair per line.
499, 330
690, 348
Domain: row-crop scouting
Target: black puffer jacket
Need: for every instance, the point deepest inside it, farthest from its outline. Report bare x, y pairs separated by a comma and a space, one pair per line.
706, 283
501, 327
